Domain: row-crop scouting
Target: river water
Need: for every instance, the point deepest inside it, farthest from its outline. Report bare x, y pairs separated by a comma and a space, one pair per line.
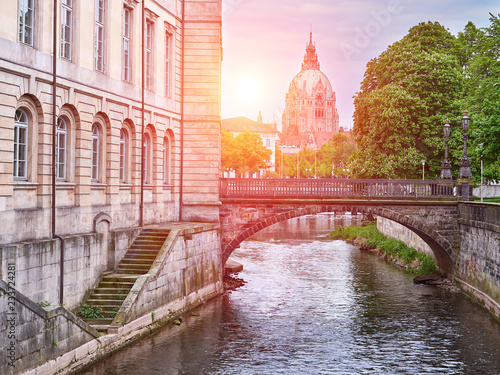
315, 306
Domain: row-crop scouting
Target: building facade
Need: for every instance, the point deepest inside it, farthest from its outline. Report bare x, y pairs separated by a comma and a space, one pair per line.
310, 118
135, 144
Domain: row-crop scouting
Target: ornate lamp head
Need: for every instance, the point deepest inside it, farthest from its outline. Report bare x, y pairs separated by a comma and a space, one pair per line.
465, 122
447, 129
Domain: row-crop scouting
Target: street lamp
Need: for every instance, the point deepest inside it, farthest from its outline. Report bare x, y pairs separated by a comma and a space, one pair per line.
446, 165
464, 171
423, 170
481, 186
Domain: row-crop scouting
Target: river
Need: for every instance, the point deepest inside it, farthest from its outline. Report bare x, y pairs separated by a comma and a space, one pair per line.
315, 306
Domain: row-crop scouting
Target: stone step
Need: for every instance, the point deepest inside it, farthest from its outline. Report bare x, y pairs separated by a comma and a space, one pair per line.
150, 237
100, 321
109, 310
150, 253
104, 290
163, 232
137, 260
115, 285
141, 254
101, 327
151, 240
145, 246
108, 296
129, 271
123, 279
106, 302
134, 266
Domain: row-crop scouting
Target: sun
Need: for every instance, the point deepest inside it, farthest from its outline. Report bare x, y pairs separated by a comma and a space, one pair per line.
248, 89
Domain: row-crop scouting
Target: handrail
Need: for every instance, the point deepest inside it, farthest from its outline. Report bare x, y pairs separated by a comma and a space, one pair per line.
336, 188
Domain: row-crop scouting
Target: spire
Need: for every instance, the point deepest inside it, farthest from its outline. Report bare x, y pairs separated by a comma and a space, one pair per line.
259, 118
311, 57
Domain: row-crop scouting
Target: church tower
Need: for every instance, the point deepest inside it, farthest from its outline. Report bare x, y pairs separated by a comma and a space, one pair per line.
310, 118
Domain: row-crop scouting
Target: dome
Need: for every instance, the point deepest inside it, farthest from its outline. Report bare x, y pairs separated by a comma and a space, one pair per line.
307, 82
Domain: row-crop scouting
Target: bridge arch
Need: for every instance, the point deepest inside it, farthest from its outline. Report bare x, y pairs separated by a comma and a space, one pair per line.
431, 223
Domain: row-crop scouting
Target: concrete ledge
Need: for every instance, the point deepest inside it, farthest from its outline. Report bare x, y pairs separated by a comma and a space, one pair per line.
489, 303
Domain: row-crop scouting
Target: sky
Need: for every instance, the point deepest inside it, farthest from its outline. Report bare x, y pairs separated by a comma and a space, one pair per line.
264, 44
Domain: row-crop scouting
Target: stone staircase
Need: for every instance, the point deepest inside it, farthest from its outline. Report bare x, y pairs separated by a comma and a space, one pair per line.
105, 301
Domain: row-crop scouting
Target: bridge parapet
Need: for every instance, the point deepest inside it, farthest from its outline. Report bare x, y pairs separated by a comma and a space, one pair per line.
337, 188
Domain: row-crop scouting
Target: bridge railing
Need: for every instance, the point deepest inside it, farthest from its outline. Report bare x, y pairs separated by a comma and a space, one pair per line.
335, 188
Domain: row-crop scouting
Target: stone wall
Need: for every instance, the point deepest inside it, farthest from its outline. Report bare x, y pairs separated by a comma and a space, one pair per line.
31, 335
395, 230
37, 264
488, 191
478, 262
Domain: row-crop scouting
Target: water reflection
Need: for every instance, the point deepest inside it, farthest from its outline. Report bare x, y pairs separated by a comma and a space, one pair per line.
312, 306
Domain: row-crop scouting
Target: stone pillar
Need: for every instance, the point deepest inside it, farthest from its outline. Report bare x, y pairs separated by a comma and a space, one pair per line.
202, 127
465, 189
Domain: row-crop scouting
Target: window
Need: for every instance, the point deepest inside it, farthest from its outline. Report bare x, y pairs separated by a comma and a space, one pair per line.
319, 112
168, 46
99, 35
95, 153
147, 157
26, 21
268, 143
126, 43
61, 141
149, 54
66, 28
166, 161
123, 155
21, 145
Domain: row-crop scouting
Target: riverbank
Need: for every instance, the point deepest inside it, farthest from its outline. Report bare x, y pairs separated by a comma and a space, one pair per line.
369, 239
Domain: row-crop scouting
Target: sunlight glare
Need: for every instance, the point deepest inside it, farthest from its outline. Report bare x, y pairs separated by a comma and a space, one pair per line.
248, 90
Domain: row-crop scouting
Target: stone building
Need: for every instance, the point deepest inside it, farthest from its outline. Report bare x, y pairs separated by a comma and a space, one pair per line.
268, 133
310, 118
135, 144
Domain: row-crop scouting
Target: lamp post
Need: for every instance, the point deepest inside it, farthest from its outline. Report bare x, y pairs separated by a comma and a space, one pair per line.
423, 170
481, 186
446, 165
464, 173
465, 163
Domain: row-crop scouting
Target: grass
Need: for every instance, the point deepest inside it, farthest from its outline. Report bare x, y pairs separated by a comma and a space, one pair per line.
489, 200
373, 239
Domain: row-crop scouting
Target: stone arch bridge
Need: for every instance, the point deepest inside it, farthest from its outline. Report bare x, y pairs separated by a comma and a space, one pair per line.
428, 208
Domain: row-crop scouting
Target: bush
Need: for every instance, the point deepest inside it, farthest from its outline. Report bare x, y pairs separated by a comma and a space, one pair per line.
396, 248
91, 312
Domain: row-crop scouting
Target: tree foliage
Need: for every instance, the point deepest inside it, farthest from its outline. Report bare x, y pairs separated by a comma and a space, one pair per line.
405, 96
244, 153
481, 61
330, 161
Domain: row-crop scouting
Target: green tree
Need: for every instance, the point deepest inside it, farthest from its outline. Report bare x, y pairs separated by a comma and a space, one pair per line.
244, 153
334, 156
481, 62
406, 94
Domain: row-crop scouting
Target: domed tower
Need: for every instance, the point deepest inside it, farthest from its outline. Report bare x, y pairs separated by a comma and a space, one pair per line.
310, 118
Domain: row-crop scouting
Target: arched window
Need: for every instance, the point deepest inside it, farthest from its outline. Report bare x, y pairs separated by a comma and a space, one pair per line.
21, 145
61, 150
96, 144
123, 155
147, 158
166, 161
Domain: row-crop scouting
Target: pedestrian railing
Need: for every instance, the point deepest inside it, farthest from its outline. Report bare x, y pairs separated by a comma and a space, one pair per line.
335, 188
